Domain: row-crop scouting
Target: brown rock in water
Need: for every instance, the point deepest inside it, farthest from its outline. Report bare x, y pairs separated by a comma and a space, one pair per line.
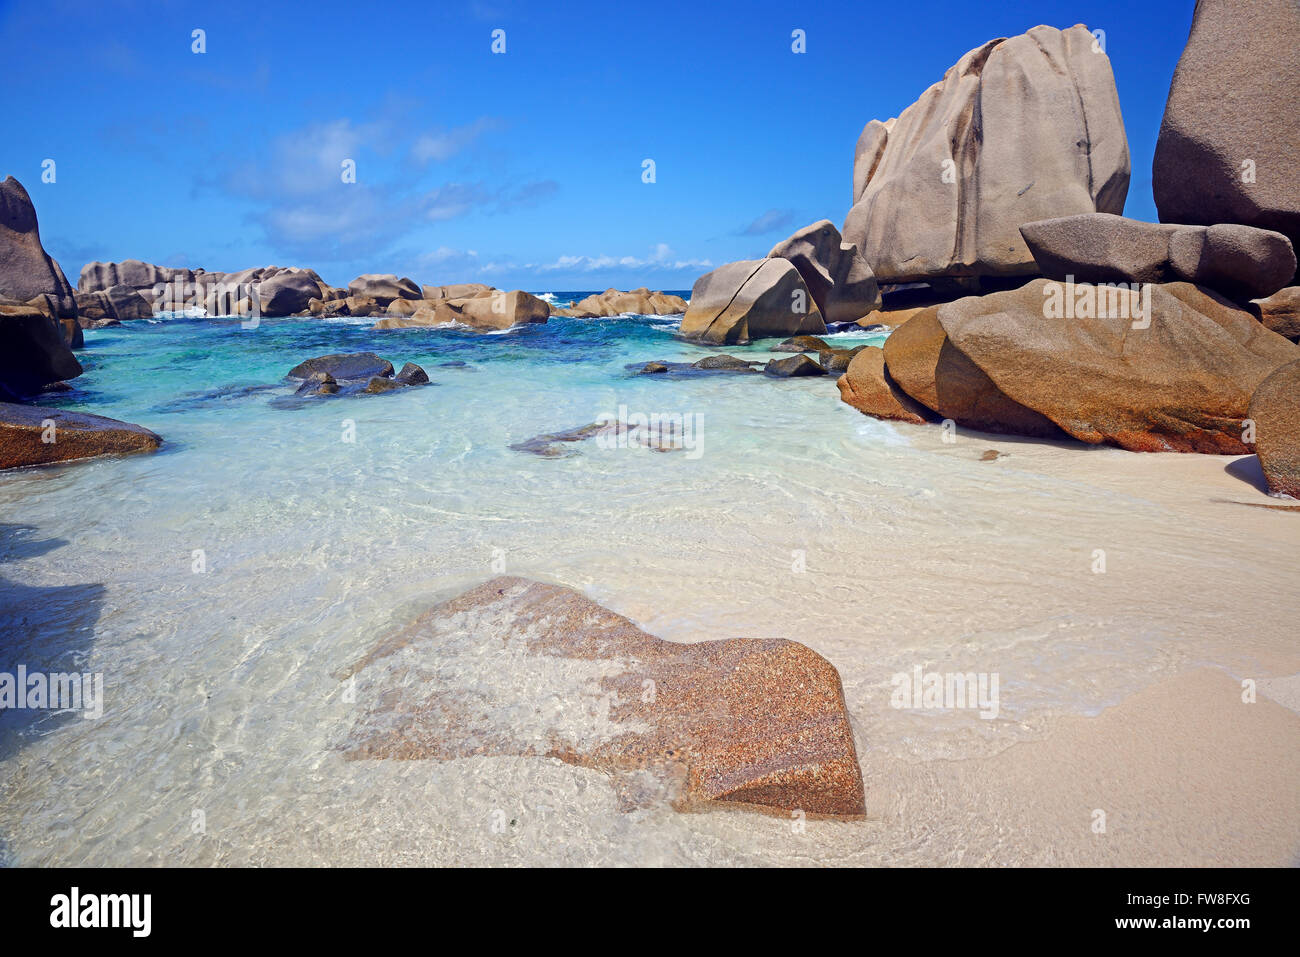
837, 360
1280, 312
1275, 410
412, 374
1228, 146
1019, 130
1181, 384
803, 344
751, 299
724, 362
318, 383
795, 366
927, 367
1238, 261
380, 383
24, 430
841, 282
752, 723
501, 310
869, 388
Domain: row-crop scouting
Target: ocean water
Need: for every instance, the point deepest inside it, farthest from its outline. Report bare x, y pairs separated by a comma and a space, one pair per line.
221, 584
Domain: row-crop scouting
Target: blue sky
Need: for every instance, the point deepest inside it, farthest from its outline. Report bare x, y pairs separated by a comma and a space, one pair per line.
522, 169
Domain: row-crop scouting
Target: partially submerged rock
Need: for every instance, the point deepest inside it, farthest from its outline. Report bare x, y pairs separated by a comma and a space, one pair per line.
803, 344
799, 365
32, 435
33, 351
748, 300
319, 383
724, 362
752, 723
344, 365
412, 374
1238, 261
1275, 411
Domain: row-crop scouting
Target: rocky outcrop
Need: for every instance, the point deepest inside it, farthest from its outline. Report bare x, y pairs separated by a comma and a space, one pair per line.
637, 302
33, 351
1275, 410
118, 303
837, 277
1239, 261
26, 270
496, 310
1019, 130
458, 290
869, 388
751, 299
384, 288
287, 293
1182, 383
1280, 312
753, 723
32, 435
1227, 151
134, 274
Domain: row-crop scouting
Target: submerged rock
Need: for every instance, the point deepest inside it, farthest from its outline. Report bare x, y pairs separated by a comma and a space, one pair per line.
319, 383
1275, 410
752, 723
344, 365
32, 435
379, 384
724, 362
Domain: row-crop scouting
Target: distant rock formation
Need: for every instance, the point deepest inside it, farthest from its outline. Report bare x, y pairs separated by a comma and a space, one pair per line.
751, 299
1019, 130
1241, 262
1229, 145
487, 310
751, 723
636, 302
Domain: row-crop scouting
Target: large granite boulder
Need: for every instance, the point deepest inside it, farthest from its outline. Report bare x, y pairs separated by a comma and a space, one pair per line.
1229, 146
637, 302
33, 351
1239, 261
138, 275
498, 311
287, 293
1179, 379
922, 361
26, 270
750, 723
384, 288
1275, 410
1019, 130
839, 279
868, 387
31, 435
751, 299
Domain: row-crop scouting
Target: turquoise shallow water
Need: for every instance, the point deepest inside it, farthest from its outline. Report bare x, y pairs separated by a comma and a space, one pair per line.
798, 518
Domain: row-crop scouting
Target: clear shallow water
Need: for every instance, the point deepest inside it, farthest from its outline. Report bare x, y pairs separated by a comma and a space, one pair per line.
221, 687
